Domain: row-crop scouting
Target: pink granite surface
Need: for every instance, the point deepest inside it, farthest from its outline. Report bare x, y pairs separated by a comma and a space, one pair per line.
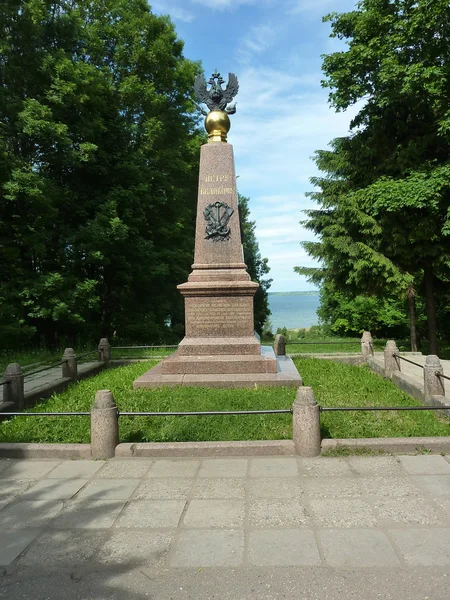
219, 364
217, 182
286, 376
206, 346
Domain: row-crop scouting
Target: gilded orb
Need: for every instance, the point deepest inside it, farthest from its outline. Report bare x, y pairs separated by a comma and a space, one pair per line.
217, 124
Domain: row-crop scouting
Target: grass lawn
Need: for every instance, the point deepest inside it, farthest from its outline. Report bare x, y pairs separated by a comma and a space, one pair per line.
334, 385
322, 344
29, 359
131, 353
337, 384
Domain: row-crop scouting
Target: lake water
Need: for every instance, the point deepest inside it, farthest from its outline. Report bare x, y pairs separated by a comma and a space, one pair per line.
293, 311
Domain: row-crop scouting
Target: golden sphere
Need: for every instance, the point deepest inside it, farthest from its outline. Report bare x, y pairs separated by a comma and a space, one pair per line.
217, 124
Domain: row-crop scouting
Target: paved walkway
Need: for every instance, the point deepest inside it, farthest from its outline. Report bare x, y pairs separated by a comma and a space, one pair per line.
33, 382
236, 528
416, 373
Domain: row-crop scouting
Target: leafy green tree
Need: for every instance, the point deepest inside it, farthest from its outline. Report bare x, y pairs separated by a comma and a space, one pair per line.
257, 266
352, 314
98, 168
388, 195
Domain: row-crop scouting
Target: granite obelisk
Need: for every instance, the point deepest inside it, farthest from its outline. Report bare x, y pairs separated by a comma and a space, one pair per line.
220, 348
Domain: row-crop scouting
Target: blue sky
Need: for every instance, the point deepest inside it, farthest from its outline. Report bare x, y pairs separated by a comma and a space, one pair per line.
274, 48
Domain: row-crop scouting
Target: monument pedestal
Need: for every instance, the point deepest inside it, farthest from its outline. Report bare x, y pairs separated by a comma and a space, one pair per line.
220, 348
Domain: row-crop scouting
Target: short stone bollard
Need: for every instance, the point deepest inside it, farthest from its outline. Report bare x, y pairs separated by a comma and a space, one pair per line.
433, 385
69, 366
306, 423
13, 390
391, 362
104, 426
104, 350
279, 345
366, 345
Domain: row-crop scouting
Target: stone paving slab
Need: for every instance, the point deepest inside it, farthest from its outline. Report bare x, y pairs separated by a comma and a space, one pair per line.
77, 519
415, 373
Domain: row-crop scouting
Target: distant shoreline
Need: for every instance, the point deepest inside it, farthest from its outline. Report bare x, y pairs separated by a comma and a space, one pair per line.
307, 293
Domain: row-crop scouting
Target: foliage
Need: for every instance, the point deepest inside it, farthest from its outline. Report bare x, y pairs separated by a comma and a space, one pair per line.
98, 169
382, 316
384, 215
266, 333
257, 266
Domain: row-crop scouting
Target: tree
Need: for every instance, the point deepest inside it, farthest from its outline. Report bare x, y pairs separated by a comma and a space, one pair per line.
257, 266
98, 168
391, 199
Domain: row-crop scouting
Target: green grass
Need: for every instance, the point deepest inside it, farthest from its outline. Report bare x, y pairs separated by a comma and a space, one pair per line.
161, 429
141, 353
321, 344
337, 347
29, 359
334, 384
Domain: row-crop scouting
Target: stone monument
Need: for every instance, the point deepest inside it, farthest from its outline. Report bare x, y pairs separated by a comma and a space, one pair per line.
220, 348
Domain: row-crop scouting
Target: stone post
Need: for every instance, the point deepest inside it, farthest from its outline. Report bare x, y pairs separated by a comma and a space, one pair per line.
104, 350
366, 345
104, 426
279, 345
306, 423
391, 362
432, 384
69, 366
13, 391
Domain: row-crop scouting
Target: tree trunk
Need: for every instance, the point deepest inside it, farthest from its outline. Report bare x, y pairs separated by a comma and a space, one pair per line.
431, 309
412, 318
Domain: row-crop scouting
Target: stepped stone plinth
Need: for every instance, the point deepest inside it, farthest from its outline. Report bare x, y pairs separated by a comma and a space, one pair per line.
220, 348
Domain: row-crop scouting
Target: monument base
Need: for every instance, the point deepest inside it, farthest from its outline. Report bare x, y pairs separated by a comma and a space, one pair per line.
286, 375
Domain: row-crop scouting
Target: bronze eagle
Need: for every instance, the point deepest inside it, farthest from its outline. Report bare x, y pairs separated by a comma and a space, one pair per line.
217, 98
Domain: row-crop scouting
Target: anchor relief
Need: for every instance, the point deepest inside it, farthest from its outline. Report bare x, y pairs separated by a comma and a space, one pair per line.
217, 216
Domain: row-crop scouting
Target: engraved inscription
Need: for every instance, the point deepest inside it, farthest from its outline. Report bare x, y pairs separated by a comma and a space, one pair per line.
219, 191
225, 188
217, 178
219, 316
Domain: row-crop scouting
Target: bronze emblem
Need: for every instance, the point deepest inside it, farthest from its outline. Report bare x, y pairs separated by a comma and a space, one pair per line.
217, 216
217, 98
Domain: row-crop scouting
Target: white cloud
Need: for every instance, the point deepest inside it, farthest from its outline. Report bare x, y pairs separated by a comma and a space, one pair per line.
259, 39
177, 12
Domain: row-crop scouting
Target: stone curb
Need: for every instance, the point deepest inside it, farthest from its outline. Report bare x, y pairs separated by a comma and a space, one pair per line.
63, 451
253, 448
208, 449
413, 444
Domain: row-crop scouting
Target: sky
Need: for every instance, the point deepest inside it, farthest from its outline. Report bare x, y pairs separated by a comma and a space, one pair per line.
274, 47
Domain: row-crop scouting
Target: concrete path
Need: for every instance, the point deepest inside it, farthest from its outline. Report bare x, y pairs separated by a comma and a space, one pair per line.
236, 528
34, 382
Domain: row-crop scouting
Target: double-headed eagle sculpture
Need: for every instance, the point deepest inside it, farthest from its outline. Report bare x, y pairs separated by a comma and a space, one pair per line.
216, 98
